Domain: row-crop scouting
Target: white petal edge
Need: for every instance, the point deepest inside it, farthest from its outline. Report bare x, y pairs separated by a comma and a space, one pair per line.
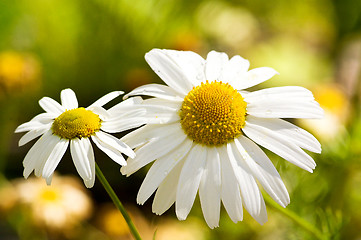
160, 169
210, 188
215, 64
68, 99
109, 150
83, 158
54, 159
51, 106
279, 145
106, 98
33, 134
189, 180
234, 70
253, 77
167, 69
155, 90
263, 169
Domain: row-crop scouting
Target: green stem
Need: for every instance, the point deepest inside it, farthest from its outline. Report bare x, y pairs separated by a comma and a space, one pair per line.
117, 202
297, 219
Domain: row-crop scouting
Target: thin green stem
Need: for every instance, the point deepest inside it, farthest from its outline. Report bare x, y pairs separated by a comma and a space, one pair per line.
117, 202
297, 219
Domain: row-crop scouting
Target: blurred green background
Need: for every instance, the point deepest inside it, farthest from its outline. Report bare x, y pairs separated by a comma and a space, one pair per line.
98, 46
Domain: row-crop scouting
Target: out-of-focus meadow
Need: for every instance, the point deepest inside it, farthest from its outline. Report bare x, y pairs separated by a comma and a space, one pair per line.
98, 46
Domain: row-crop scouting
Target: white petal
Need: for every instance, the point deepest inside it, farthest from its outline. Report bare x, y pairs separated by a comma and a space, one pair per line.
168, 70
54, 158
286, 108
119, 125
216, 62
235, 70
286, 92
83, 158
106, 98
166, 193
51, 142
210, 188
101, 112
160, 169
44, 118
253, 77
251, 196
155, 90
30, 126
231, 195
51, 106
289, 131
263, 169
113, 153
161, 114
191, 64
33, 134
36, 152
146, 133
68, 99
116, 143
189, 180
154, 149
279, 145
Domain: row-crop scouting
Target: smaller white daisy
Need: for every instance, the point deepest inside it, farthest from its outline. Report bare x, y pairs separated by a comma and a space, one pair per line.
68, 123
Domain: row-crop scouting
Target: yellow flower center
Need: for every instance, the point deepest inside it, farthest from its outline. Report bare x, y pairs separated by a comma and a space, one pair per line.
76, 123
213, 113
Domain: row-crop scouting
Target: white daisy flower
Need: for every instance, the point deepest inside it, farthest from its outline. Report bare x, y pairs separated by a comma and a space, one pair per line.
68, 123
203, 130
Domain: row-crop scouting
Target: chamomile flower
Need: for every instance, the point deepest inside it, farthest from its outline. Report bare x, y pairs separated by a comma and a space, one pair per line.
203, 132
67, 124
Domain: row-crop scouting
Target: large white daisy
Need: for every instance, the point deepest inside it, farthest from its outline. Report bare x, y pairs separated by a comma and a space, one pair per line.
68, 123
203, 130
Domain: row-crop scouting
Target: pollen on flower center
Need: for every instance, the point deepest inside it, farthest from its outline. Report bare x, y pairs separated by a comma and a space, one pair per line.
213, 113
76, 123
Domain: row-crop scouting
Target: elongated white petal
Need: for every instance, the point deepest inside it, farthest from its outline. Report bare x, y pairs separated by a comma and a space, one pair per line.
51, 106
251, 196
37, 153
230, 192
155, 90
125, 105
279, 145
263, 169
160, 169
51, 142
44, 118
83, 158
189, 180
113, 153
146, 133
54, 159
216, 62
234, 71
210, 188
168, 70
275, 93
288, 131
119, 125
106, 98
29, 126
154, 149
68, 99
253, 77
166, 193
101, 112
285, 108
32, 134
116, 143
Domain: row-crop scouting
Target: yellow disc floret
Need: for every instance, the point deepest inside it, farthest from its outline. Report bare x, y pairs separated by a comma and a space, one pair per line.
76, 123
213, 113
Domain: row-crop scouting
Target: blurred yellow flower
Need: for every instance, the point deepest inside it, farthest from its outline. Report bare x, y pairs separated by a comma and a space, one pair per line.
61, 205
111, 221
18, 71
